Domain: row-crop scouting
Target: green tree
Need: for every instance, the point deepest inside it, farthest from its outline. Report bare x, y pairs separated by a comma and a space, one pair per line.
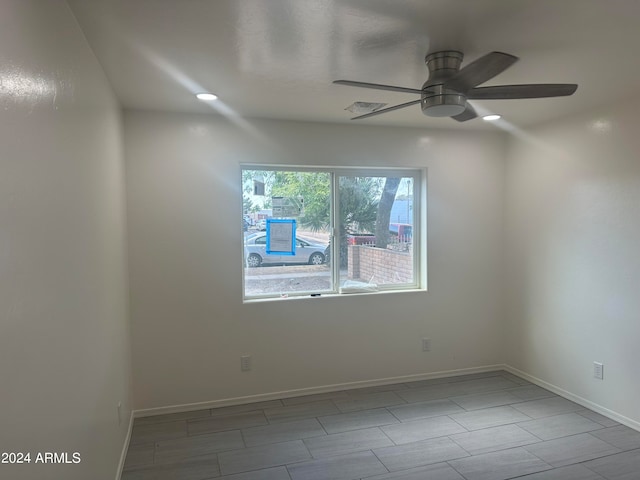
247, 205
358, 204
357, 209
315, 190
384, 211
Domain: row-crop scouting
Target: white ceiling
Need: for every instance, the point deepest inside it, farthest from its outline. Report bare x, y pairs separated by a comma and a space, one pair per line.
277, 58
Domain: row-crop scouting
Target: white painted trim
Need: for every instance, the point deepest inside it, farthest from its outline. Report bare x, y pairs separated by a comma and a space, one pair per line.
147, 412
125, 447
576, 398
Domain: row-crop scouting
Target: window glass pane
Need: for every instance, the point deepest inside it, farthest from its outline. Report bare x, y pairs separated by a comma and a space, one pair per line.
376, 217
302, 196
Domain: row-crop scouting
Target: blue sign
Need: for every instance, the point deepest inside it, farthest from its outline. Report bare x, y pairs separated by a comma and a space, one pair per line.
281, 236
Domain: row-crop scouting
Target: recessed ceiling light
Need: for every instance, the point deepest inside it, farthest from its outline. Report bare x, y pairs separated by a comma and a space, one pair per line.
491, 118
207, 97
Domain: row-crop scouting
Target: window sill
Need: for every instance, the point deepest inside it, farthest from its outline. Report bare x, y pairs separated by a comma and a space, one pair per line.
330, 295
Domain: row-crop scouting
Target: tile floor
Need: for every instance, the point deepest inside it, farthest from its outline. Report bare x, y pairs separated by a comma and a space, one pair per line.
488, 426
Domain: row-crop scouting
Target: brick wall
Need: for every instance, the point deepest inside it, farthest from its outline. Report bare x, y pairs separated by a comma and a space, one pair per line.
379, 265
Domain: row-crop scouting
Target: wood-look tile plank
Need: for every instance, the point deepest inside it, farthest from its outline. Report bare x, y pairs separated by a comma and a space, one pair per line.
264, 456
481, 385
169, 451
437, 471
282, 432
317, 397
275, 473
596, 417
419, 453
226, 422
621, 437
357, 420
199, 468
568, 450
453, 379
479, 401
153, 432
530, 392
343, 467
570, 472
246, 407
415, 431
623, 466
499, 465
494, 439
290, 413
467, 387
392, 387
548, 428
515, 379
347, 442
171, 417
547, 407
489, 417
432, 408
139, 455
368, 401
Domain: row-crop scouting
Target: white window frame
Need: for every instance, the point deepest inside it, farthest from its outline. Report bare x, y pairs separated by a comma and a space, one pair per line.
419, 231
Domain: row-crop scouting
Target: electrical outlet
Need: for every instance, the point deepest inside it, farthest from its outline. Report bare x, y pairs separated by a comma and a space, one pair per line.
598, 370
119, 407
245, 363
426, 344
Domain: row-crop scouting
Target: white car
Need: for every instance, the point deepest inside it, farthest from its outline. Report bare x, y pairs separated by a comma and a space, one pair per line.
307, 252
262, 224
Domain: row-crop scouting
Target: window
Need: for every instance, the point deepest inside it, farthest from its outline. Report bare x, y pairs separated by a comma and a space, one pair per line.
354, 230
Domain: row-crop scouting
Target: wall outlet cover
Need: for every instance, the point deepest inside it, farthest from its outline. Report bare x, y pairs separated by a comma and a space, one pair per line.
598, 370
245, 363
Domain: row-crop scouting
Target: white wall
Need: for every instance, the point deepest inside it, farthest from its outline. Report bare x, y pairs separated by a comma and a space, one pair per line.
189, 324
573, 232
64, 333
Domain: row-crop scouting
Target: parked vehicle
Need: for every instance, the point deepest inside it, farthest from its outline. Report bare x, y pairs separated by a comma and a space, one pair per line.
262, 224
307, 252
403, 231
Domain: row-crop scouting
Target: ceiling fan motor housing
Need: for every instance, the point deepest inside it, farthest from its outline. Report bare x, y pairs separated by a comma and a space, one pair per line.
438, 101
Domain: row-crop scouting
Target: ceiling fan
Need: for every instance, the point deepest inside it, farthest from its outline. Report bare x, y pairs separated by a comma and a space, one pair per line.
446, 91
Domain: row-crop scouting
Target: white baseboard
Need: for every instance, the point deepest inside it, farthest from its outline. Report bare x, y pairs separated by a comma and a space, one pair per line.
575, 398
125, 447
310, 391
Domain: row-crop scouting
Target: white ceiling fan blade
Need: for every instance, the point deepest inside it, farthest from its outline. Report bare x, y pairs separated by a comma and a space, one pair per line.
377, 86
385, 110
535, 90
479, 71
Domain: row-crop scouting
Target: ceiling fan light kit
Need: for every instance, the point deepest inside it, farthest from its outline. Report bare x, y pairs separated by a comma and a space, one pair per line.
448, 88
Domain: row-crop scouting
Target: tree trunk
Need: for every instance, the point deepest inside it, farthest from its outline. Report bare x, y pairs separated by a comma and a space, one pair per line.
384, 211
